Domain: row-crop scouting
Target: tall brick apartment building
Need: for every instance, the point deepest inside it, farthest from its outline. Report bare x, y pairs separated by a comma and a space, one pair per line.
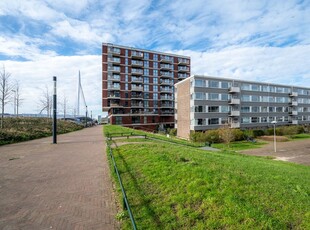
138, 85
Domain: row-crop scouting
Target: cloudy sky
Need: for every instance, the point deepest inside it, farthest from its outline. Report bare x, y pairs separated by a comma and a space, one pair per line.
260, 40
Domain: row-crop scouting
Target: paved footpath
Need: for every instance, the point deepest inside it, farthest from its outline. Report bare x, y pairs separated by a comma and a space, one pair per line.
57, 186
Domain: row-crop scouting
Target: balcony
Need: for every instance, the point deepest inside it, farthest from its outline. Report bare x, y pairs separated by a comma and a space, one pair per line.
136, 79
137, 105
293, 94
293, 103
234, 113
166, 59
114, 51
293, 113
136, 54
234, 101
166, 82
165, 74
182, 76
136, 63
136, 71
165, 67
114, 77
114, 87
114, 96
166, 90
234, 89
235, 125
136, 88
293, 122
183, 61
115, 69
183, 69
167, 105
115, 105
166, 98
114, 60
136, 96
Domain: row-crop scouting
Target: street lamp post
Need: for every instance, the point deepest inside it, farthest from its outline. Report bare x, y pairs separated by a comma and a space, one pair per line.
274, 136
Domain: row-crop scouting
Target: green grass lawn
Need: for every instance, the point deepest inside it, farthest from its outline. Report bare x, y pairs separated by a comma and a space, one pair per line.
300, 136
239, 145
179, 187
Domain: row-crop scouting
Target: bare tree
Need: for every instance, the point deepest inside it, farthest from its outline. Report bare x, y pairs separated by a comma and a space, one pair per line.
6, 88
226, 134
18, 100
46, 102
64, 104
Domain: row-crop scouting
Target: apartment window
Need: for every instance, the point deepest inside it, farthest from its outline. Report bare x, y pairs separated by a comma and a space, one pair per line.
146, 72
146, 80
126, 86
225, 97
146, 56
264, 109
265, 88
126, 61
201, 121
214, 84
271, 99
245, 120
126, 53
255, 98
285, 109
155, 72
271, 119
155, 88
265, 98
145, 120
272, 89
225, 109
271, 109
213, 109
245, 98
200, 96
225, 84
146, 63
126, 69
126, 78
224, 120
155, 96
146, 88
279, 119
155, 57
146, 104
214, 96
155, 80
199, 109
155, 65
279, 109
200, 83
245, 86
279, 99
245, 109
255, 109
213, 121
255, 88
254, 119
118, 120
146, 96
264, 119
135, 120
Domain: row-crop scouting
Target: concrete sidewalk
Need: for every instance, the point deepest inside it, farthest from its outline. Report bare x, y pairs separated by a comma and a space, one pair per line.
63, 186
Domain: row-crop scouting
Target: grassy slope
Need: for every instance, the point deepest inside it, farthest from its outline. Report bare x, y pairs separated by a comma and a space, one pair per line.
177, 187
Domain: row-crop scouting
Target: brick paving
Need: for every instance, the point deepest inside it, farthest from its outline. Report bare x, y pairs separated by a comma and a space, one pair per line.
63, 186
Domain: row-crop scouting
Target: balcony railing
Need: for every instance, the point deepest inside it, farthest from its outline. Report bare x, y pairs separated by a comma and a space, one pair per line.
136, 104
136, 88
136, 79
136, 54
114, 60
114, 50
234, 101
235, 125
166, 98
114, 68
167, 105
182, 75
162, 89
137, 96
294, 122
293, 113
166, 82
293, 94
167, 59
136, 71
165, 67
136, 63
114, 77
166, 74
234, 113
117, 87
293, 103
115, 96
183, 69
183, 61
234, 89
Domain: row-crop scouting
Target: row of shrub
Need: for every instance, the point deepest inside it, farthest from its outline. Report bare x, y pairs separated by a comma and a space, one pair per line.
22, 129
216, 135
